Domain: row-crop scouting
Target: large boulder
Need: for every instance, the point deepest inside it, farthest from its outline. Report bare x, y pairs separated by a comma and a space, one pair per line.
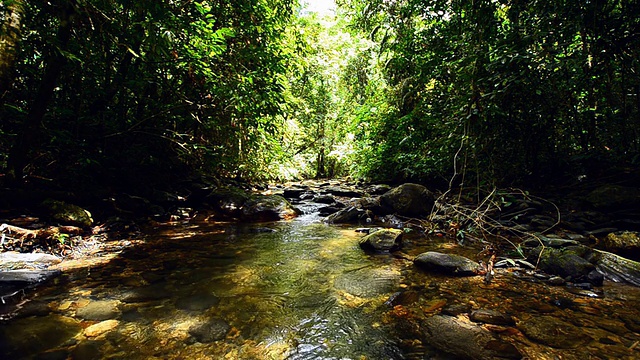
446, 263
466, 341
382, 240
409, 200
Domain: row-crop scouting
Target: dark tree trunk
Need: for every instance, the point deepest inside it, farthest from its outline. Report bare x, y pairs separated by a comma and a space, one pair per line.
19, 154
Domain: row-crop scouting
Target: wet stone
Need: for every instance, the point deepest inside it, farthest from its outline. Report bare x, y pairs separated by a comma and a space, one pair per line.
100, 328
446, 263
382, 240
99, 310
491, 317
466, 341
553, 332
456, 309
209, 331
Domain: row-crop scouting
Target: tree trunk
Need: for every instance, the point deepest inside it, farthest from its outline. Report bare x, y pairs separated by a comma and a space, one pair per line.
10, 32
19, 154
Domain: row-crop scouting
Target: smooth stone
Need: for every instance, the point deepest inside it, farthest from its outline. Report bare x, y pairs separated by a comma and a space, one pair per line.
382, 240
100, 328
99, 310
491, 317
12, 260
409, 200
146, 293
368, 282
446, 263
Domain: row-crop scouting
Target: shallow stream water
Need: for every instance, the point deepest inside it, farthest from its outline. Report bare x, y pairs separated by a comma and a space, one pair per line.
298, 289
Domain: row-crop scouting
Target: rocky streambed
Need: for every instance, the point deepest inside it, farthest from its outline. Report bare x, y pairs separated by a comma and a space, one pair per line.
355, 274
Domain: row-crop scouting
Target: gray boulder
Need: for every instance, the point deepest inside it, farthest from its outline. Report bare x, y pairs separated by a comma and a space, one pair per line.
446, 263
382, 240
409, 200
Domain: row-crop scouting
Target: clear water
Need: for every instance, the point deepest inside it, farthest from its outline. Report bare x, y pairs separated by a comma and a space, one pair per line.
302, 291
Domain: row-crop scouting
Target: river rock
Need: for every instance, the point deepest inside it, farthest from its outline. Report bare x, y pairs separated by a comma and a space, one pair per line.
343, 191
378, 189
491, 317
609, 197
551, 331
67, 214
323, 199
566, 262
409, 200
100, 328
350, 214
466, 341
12, 260
382, 240
210, 330
267, 208
294, 192
99, 310
446, 263
625, 243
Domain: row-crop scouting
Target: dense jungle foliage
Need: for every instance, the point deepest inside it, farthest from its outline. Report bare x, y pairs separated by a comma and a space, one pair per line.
135, 93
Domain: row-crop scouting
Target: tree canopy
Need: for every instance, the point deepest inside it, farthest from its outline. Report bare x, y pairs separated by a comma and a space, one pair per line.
480, 92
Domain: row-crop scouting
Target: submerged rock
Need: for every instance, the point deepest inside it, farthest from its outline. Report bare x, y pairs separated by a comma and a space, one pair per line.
466, 341
210, 330
382, 240
446, 263
197, 302
491, 317
99, 310
409, 200
551, 331
368, 282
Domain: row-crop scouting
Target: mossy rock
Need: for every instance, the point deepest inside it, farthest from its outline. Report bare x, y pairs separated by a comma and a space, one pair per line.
67, 214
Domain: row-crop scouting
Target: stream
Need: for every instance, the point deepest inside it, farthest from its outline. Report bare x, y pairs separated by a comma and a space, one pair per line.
297, 289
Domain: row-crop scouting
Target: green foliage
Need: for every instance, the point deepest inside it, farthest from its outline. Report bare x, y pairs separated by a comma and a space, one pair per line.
506, 91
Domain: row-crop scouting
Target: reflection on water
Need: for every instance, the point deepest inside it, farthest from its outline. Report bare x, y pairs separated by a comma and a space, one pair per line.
291, 290
272, 294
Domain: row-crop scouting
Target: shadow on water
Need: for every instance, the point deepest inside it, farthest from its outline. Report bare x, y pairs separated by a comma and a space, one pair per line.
296, 290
